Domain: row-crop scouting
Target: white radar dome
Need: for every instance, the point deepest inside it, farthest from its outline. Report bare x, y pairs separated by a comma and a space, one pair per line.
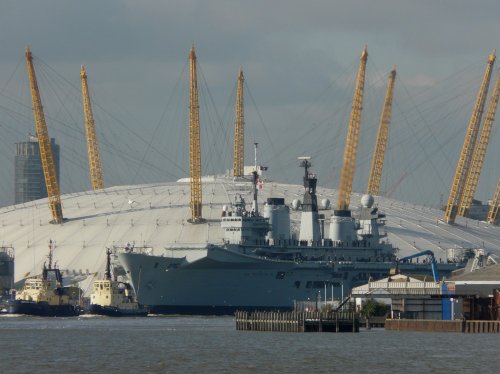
296, 203
224, 208
325, 203
367, 201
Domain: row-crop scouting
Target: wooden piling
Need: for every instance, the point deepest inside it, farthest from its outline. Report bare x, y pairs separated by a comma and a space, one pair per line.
295, 321
469, 327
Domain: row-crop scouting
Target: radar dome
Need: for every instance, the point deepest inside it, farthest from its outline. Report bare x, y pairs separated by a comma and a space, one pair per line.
325, 203
296, 203
367, 201
225, 208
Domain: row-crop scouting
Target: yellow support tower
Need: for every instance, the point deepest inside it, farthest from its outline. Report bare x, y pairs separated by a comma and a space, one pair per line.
495, 206
465, 159
194, 142
479, 153
49, 169
382, 136
92, 145
351, 147
239, 130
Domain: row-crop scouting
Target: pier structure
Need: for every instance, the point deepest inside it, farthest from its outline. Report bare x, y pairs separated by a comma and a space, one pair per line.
470, 326
293, 321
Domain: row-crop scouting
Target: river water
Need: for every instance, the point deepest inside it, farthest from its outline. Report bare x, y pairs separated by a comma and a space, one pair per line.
167, 344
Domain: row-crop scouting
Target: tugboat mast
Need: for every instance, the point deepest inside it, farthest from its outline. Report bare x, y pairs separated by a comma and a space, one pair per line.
107, 272
51, 252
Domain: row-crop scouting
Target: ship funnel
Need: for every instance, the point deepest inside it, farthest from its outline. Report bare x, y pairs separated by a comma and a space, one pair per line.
279, 219
342, 227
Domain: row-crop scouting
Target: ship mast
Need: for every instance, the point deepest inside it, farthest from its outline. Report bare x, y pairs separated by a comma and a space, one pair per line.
309, 223
239, 130
465, 159
51, 252
92, 145
49, 169
351, 147
479, 153
194, 142
107, 272
255, 175
382, 136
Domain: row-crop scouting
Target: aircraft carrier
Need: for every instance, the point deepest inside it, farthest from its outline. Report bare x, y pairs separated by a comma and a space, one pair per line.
262, 261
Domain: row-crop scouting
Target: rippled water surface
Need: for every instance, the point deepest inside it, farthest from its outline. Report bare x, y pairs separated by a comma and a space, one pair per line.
205, 344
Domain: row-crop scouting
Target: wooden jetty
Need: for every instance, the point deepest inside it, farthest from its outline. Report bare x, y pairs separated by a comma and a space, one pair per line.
330, 321
467, 326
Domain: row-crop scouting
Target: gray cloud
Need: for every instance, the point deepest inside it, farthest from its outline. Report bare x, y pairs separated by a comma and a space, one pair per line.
300, 58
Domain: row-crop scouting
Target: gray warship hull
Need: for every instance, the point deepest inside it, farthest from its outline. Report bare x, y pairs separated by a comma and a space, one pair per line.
224, 280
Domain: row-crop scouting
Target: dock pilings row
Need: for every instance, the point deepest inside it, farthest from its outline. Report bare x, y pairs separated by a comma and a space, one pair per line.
295, 321
465, 326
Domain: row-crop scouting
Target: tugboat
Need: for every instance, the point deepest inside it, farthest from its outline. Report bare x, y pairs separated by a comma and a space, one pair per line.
45, 295
114, 298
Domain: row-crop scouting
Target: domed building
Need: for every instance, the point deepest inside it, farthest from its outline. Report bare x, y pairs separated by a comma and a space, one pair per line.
155, 217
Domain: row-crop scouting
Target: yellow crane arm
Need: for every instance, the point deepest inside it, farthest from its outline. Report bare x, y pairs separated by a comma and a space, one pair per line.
479, 153
465, 158
382, 137
239, 130
92, 145
49, 169
351, 147
194, 141
495, 206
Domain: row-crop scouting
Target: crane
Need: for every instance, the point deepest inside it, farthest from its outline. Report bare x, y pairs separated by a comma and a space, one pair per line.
49, 169
466, 154
239, 130
382, 136
351, 147
494, 206
431, 258
479, 153
92, 145
194, 142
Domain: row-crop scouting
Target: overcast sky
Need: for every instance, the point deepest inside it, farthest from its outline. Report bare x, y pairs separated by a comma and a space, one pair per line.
300, 59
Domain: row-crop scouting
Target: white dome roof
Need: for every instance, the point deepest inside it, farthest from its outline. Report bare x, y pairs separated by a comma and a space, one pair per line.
158, 218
